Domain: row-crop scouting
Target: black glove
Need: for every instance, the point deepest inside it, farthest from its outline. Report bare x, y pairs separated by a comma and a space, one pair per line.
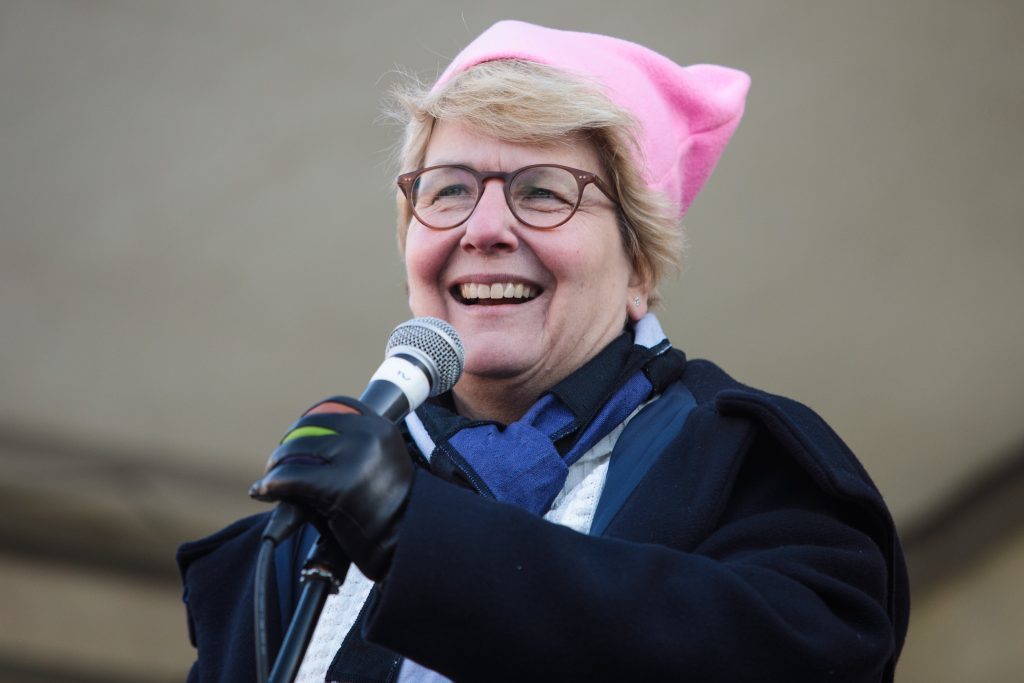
354, 472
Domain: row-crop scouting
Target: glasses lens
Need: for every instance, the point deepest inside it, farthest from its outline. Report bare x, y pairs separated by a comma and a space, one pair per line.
544, 196
443, 197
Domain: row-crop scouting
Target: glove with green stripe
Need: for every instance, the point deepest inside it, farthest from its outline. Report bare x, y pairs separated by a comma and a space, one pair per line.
352, 469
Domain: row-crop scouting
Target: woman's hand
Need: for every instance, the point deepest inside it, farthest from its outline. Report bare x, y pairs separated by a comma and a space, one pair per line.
353, 471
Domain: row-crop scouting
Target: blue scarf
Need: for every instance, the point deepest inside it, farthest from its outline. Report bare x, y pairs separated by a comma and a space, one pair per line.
526, 463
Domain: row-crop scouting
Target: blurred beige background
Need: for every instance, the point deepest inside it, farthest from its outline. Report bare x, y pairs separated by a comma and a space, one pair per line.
196, 242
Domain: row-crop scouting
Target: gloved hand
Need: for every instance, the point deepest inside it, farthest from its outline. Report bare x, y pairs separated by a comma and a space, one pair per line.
353, 471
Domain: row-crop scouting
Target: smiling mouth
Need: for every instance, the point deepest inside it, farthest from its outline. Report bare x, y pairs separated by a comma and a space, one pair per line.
472, 293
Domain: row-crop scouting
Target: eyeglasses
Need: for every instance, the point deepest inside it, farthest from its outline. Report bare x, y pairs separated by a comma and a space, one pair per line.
539, 196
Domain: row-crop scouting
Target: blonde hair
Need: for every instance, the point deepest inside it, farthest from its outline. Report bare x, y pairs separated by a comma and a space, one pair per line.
525, 102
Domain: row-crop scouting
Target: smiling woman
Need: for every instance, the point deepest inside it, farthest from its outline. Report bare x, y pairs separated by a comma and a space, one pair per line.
585, 503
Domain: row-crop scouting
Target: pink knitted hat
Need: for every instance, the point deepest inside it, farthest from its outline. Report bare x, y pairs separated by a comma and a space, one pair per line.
687, 113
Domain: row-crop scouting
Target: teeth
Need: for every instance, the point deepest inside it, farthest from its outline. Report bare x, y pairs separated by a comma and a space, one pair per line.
497, 290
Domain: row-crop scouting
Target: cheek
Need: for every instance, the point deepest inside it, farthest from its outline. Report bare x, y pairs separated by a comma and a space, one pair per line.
422, 258
425, 259
590, 269
566, 256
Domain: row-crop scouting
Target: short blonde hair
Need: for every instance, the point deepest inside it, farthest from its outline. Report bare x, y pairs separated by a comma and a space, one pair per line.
525, 102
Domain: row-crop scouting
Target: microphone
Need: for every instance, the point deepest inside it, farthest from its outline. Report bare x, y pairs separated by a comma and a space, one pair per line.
424, 357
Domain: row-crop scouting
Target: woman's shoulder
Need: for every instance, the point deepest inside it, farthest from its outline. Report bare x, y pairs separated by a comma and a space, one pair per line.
709, 382
801, 431
790, 430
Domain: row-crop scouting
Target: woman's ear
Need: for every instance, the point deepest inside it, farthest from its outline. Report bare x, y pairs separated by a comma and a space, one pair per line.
637, 307
638, 297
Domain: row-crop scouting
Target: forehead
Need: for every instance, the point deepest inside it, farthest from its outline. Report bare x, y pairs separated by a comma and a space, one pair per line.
452, 142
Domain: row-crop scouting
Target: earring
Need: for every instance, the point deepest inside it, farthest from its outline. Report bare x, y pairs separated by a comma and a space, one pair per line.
636, 301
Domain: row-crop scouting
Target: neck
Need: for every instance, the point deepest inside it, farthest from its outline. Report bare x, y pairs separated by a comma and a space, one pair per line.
487, 398
507, 399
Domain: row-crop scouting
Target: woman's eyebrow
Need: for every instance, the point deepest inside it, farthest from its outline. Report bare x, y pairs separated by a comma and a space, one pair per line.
449, 162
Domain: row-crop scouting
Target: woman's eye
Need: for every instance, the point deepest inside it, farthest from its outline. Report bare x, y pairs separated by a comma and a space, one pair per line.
539, 193
453, 191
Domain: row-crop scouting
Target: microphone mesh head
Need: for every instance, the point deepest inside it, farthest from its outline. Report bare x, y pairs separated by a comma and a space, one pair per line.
434, 342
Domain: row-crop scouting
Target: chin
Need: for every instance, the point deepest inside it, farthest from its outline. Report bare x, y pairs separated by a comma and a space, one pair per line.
493, 358
497, 367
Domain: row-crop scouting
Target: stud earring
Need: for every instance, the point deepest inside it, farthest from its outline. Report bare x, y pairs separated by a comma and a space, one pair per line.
636, 301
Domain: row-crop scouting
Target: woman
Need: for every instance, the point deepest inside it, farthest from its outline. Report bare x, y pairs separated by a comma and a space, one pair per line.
585, 503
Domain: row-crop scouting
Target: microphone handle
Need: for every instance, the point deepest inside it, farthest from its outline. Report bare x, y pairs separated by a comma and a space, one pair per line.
385, 399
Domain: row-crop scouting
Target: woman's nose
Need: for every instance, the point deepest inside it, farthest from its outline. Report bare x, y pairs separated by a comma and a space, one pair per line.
491, 226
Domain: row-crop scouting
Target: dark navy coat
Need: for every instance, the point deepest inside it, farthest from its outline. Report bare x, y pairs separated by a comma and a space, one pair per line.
756, 548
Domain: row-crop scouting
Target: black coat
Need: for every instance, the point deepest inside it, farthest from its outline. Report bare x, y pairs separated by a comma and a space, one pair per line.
755, 548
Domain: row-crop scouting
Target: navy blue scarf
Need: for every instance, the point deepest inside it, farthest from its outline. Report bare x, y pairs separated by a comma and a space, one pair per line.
526, 463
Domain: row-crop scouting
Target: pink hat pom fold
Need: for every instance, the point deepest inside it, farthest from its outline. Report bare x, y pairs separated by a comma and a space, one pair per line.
687, 114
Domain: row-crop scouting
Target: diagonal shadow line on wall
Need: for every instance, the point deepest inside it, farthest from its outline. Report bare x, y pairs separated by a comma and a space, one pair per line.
968, 525
52, 525
103, 508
